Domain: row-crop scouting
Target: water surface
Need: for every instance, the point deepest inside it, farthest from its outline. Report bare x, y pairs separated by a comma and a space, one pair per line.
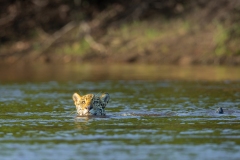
155, 112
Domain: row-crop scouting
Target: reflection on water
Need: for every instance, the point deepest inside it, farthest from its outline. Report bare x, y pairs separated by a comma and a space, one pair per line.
151, 115
63, 73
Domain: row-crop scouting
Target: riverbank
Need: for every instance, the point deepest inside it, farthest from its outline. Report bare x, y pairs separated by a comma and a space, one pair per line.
194, 37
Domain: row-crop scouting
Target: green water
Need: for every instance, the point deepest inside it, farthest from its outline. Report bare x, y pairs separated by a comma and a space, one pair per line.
155, 112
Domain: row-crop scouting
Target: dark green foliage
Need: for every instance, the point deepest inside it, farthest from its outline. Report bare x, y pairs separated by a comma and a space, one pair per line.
18, 18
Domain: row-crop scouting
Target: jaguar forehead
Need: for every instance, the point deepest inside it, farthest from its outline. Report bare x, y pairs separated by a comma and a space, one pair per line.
87, 98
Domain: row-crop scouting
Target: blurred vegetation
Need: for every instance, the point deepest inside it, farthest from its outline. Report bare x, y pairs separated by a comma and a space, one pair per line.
153, 31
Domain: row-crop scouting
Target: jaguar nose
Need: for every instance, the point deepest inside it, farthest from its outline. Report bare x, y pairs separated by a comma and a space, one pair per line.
89, 107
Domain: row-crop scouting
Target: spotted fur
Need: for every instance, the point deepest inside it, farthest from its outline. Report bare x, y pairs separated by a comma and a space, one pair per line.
91, 104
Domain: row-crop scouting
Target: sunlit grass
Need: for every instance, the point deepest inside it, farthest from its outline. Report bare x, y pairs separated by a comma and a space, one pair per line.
140, 36
220, 38
226, 39
76, 48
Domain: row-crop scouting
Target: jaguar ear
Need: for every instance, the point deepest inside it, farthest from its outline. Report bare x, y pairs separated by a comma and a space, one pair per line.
105, 97
76, 97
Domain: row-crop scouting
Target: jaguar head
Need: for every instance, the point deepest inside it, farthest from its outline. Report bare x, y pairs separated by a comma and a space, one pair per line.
90, 104
83, 103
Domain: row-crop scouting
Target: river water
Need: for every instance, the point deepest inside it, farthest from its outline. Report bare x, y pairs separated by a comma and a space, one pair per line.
155, 112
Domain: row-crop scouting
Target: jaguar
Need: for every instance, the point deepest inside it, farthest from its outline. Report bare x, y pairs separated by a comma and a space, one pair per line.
91, 104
